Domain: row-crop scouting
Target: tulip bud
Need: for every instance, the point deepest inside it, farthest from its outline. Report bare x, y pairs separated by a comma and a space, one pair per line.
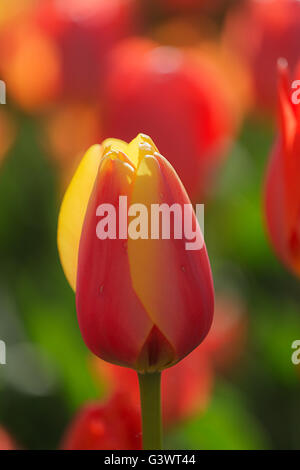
142, 302
115, 425
282, 195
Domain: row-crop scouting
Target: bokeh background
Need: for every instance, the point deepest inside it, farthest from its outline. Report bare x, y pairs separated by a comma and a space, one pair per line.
199, 76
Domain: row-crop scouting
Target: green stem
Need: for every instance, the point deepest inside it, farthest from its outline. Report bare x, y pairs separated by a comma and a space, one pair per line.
151, 410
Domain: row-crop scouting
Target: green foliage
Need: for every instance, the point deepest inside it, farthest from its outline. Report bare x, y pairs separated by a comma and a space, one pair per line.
226, 425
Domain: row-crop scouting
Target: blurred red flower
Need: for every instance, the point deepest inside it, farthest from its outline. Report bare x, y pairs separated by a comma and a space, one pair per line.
261, 32
282, 189
179, 100
114, 425
13, 8
68, 130
227, 340
186, 387
30, 63
6, 442
58, 50
85, 32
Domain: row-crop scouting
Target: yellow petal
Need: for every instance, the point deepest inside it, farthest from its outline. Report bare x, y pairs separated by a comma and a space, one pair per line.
72, 212
135, 148
115, 145
145, 265
173, 284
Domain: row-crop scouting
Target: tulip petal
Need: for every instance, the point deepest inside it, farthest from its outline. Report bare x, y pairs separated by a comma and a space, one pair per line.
288, 123
137, 144
274, 197
73, 211
115, 144
112, 320
173, 284
290, 147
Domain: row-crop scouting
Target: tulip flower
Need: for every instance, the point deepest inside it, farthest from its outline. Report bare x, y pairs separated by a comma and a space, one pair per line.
142, 302
115, 425
6, 443
177, 99
30, 64
282, 195
276, 33
166, 314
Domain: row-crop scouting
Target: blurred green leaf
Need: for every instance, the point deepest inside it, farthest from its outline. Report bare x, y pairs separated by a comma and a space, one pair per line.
227, 425
275, 328
57, 332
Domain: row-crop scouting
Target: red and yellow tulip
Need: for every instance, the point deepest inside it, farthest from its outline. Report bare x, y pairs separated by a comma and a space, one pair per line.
142, 303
